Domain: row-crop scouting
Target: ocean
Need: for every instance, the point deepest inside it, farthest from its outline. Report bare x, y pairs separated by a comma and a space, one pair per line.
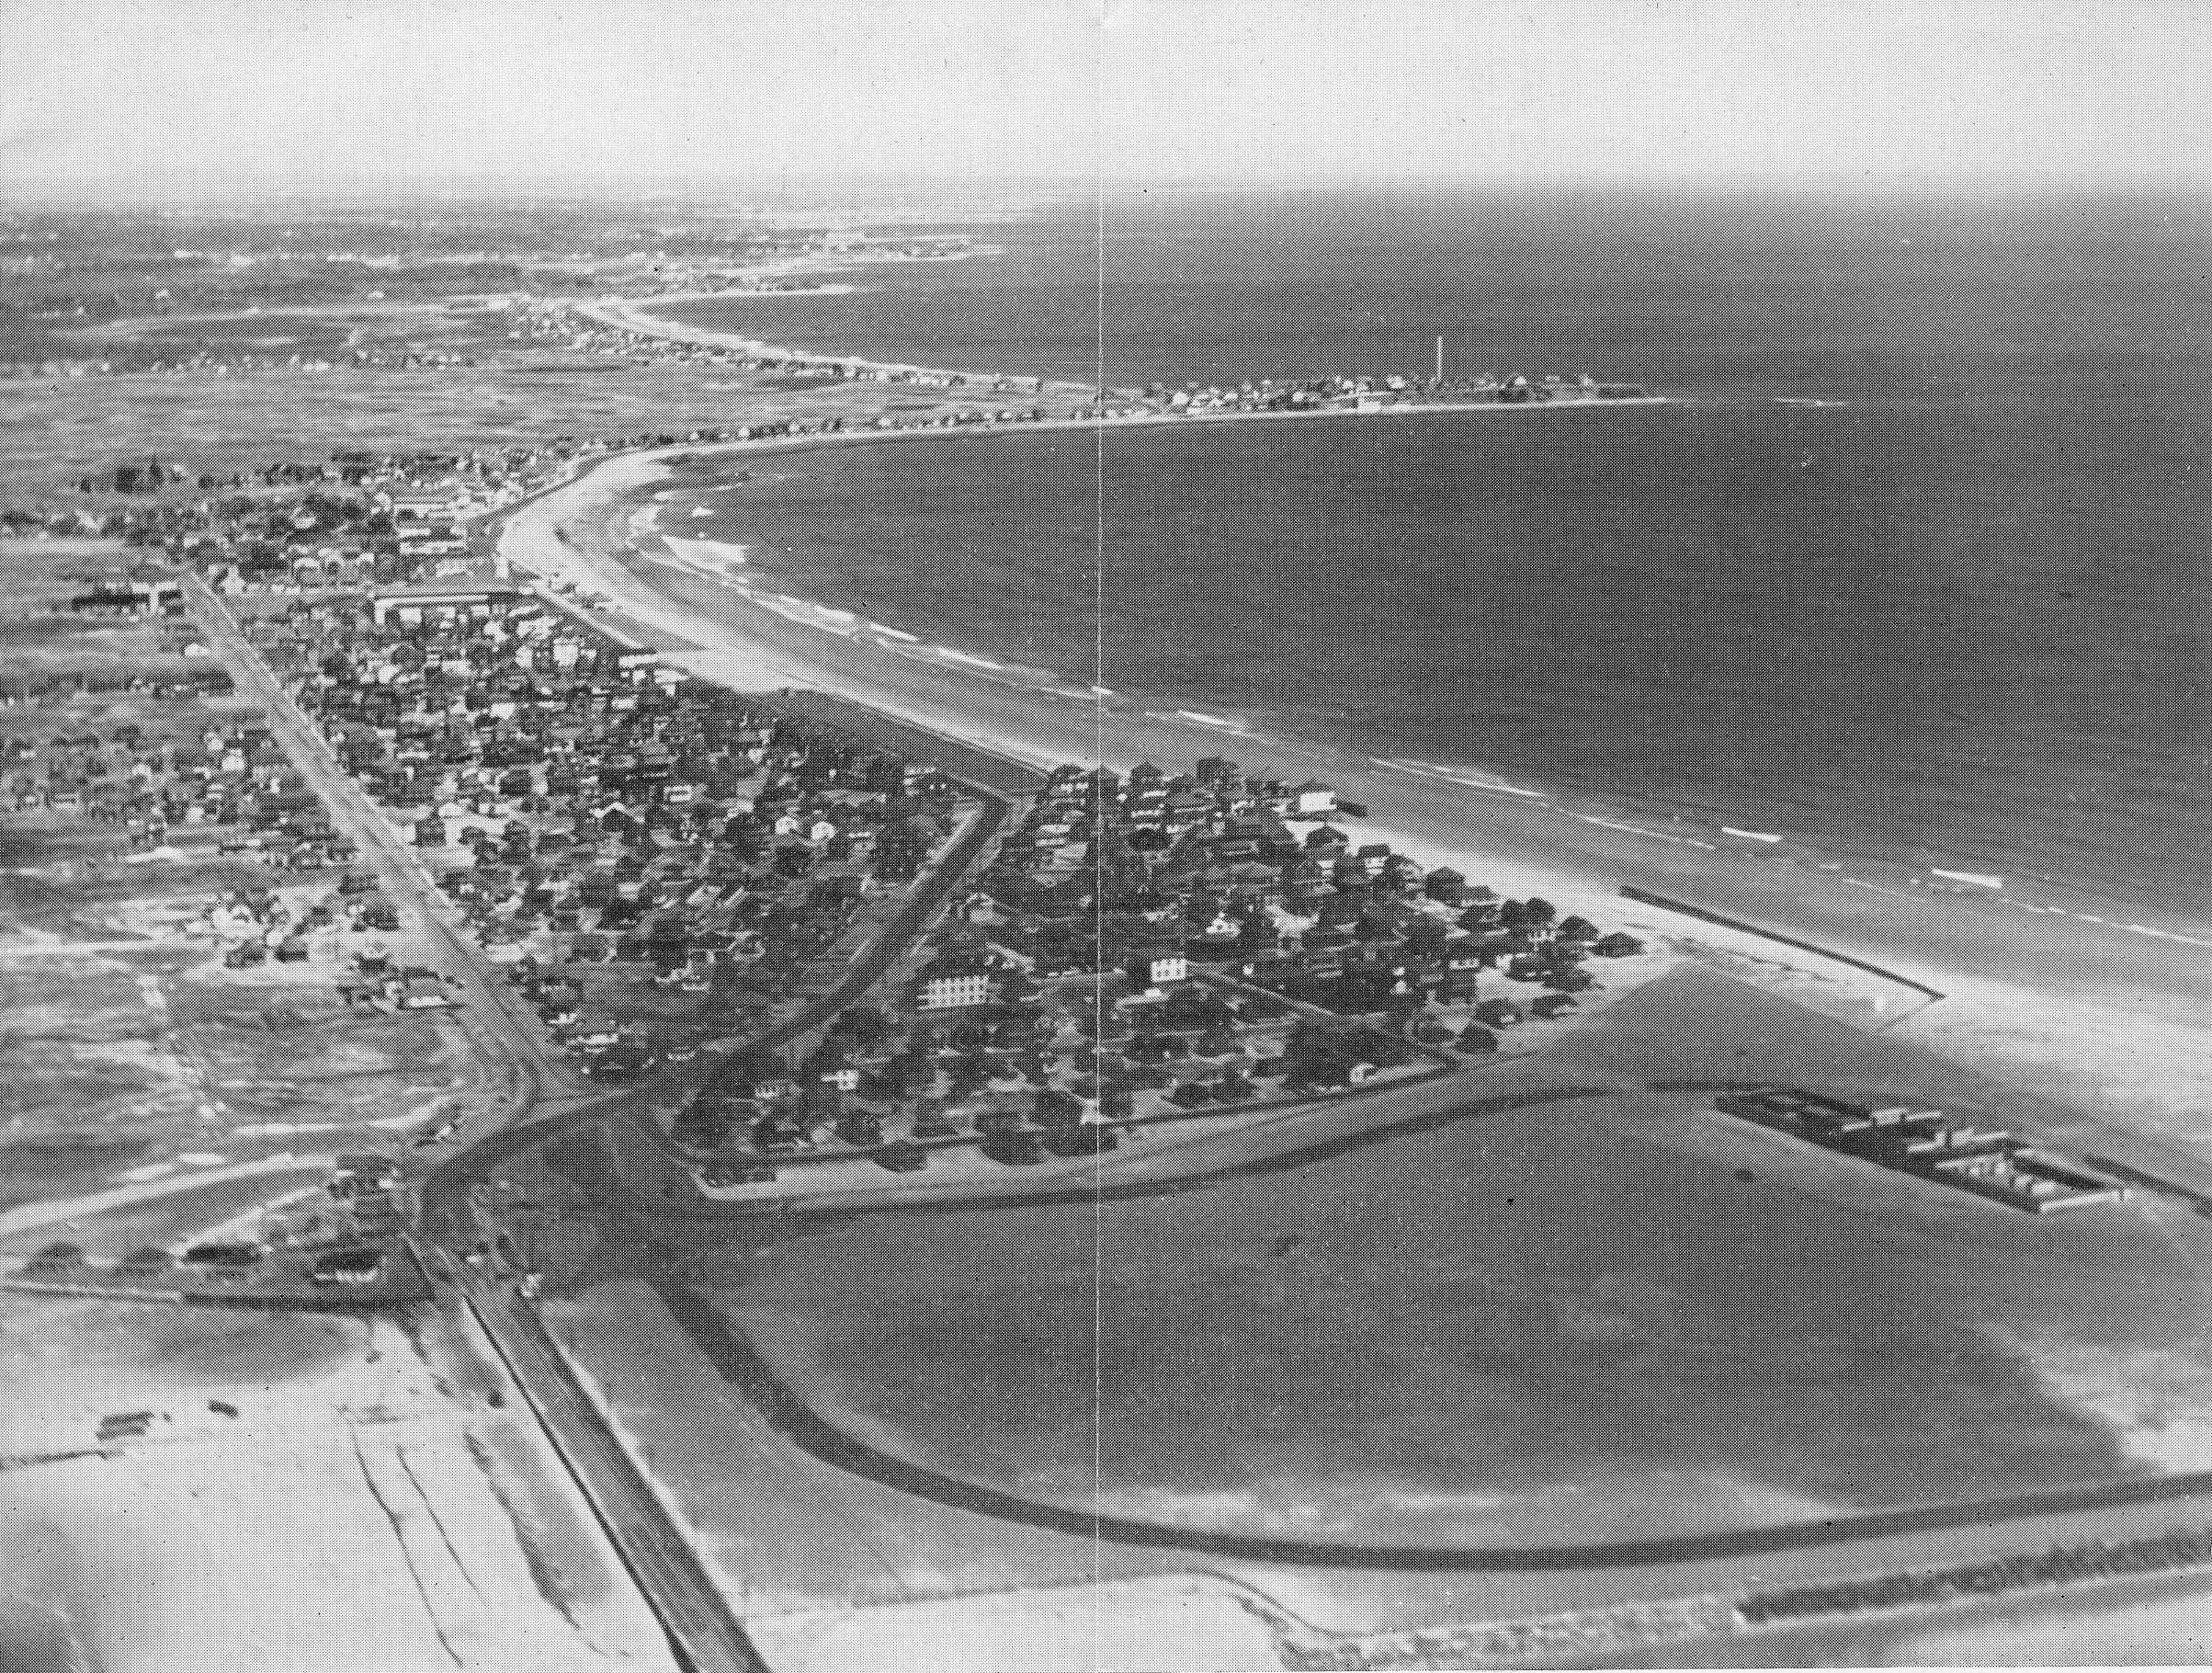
1957, 613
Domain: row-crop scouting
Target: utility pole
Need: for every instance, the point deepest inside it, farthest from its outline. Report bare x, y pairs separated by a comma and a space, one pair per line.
1439, 359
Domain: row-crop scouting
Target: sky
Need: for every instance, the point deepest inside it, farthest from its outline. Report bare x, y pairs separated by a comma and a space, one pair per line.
150, 96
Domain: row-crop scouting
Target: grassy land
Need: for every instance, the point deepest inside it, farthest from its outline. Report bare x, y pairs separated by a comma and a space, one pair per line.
1612, 1317
60, 429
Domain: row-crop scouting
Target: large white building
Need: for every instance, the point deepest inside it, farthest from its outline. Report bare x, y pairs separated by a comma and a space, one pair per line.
950, 983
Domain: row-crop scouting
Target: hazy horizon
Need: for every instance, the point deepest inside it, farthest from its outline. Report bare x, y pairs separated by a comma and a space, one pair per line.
124, 100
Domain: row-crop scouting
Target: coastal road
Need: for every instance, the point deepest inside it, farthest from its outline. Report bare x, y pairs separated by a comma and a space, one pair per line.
495, 1020
706, 1636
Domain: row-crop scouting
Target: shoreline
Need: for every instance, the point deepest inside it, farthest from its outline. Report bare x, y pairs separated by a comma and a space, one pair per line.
2103, 1011
635, 314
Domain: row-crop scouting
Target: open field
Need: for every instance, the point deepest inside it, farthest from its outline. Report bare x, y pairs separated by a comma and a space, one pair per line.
130, 1041
1310, 1352
1566, 1324
60, 429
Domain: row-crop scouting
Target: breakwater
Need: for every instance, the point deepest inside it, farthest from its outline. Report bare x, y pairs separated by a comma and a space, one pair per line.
1707, 915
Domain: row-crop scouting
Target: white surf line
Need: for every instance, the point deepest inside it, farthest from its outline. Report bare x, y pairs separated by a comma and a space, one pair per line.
1895, 894
1979, 879
1103, 691
892, 633
1729, 830
1635, 830
949, 654
1465, 777
1197, 719
2165, 935
2153, 930
807, 613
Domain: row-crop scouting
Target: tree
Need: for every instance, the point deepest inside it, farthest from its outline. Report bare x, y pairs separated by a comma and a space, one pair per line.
1194, 1006
970, 1074
863, 1023
1425, 936
1055, 1108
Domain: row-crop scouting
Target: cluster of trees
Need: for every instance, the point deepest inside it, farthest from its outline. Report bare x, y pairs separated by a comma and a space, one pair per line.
1231, 1088
1320, 1055
148, 478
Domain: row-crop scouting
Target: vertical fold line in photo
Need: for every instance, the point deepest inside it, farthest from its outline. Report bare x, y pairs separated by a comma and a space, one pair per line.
1098, 687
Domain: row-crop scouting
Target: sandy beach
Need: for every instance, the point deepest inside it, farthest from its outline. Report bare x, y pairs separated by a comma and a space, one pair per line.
2079, 1000
623, 314
320, 1491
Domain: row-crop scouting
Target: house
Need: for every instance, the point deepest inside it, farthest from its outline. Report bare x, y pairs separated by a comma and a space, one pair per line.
348, 1267
362, 1171
1154, 970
